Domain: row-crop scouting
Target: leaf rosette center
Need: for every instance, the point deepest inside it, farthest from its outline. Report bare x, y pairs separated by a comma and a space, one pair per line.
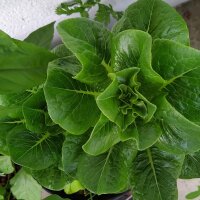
129, 102
122, 103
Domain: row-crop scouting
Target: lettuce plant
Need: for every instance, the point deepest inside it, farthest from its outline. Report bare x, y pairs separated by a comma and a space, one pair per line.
108, 110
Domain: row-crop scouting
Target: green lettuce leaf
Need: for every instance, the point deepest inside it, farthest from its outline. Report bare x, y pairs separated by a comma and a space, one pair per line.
5, 129
109, 172
148, 134
11, 105
71, 152
69, 63
89, 42
104, 135
126, 102
191, 166
22, 65
73, 187
35, 151
56, 179
33, 111
154, 175
155, 17
179, 66
132, 48
69, 101
179, 134
43, 36
61, 51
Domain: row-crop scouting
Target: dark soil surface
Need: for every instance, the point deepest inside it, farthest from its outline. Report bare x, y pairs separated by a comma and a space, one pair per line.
82, 196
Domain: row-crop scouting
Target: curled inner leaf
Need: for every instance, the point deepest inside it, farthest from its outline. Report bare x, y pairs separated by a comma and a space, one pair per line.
131, 103
122, 103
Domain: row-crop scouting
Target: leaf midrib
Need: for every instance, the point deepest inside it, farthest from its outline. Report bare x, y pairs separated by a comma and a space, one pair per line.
170, 81
150, 17
101, 174
92, 93
43, 138
154, 171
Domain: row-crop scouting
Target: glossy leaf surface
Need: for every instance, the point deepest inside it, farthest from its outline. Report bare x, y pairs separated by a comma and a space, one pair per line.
191, 167
132, 48
179, 134
109, 172
71, 152
22, 65
34, 112
154, 175
155, 17
104, 135
179, 65
69, 101
35, 151
89, 41
43, 36
51, 178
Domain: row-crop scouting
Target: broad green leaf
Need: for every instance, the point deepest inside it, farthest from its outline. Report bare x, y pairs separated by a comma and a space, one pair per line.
14, 99
126, 102
23, 66
148, 134
69, 63
154, 175
6, 43
179, 65
144, 134
71, 104
71, 151
155, 17
130, 133
6, 166
35, 151
43, 36
34, 112
89, 42
191, 166
11, 106
5, 129
104, 135
61, 51
25, 187
79, 33
179, 134
109, 172
132, 48
73, 187
51, 178
9, 113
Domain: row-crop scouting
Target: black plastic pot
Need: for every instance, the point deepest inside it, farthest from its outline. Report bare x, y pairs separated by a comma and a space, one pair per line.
81, 196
